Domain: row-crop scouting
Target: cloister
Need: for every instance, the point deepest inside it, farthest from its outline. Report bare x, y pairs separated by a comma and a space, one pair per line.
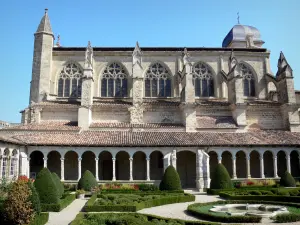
148, 164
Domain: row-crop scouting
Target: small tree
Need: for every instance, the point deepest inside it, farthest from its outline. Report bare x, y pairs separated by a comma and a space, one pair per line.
59, 184
46, 187
34, 198
220, 178
287, 180
171, 180
17, 206
87, 181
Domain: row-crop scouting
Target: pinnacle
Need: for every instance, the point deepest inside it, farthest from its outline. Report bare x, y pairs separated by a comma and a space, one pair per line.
45, 25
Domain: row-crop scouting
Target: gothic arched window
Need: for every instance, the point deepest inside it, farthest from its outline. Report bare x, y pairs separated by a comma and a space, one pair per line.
70, 81
5, 160
114, 81
157, 81
203, 80
14, 164
248, 80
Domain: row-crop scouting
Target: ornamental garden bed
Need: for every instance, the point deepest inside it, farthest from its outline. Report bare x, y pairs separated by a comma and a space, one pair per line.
66, 200
133, 202
130, 218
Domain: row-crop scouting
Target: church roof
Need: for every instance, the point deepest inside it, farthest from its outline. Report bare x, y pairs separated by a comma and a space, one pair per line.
45, 25
162, 139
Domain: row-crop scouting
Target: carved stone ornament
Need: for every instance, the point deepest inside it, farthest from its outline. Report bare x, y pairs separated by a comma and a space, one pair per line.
88, 57
137, 55
186, 57
232, 61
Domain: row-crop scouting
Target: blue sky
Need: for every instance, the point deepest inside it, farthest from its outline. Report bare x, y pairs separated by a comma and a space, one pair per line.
121, 23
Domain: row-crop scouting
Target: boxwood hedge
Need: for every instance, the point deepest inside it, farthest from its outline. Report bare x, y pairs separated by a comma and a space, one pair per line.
63, 203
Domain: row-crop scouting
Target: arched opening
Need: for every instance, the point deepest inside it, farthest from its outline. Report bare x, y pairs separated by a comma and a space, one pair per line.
295, 168
241, 165
268, 164
254, 164
213, 162
186, 168
122, 166
281, 163
14, 164
53, 162
105, 166
139, 166
36, 163
227, 162
71, 165
156, 165
88, 162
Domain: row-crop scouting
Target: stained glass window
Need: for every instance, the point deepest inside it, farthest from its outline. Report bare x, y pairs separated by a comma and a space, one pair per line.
203, 80
248, 80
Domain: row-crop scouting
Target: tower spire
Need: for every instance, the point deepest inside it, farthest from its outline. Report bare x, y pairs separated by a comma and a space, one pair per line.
238, 17
45, 26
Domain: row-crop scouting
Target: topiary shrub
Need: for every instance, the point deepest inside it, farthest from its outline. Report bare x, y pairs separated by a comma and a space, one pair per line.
87, 181
34, 198
59, 184
17, 207
170, 181
220, 178
46, 187
287, 180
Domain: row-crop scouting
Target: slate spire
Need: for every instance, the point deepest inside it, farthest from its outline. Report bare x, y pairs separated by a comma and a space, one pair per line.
45, 26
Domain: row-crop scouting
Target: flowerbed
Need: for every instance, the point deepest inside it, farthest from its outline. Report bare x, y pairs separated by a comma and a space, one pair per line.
133, 202
66, 200
255, 183
130, 218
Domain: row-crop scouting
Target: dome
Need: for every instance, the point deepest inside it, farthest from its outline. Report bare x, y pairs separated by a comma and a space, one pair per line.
238, 35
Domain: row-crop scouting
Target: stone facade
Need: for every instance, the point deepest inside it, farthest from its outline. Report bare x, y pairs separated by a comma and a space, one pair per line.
104, 94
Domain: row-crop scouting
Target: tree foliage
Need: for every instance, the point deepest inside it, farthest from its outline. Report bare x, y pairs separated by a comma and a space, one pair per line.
220, 178
171, 180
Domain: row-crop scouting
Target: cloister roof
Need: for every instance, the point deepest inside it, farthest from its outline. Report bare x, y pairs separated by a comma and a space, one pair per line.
125, 138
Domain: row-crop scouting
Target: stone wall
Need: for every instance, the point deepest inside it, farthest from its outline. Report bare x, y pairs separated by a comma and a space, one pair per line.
59, 114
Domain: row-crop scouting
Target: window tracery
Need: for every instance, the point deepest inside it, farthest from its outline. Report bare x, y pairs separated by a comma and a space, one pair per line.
248, 80
203, 80
114, 81
70, 81
5, 159
14, 164
157, 81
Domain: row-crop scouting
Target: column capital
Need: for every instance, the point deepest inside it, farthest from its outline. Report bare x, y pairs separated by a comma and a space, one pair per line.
45, 158
261, 157
113, 158
130, 159
220, 158
62, 159
96, 158
248, 157
287, 156
233, 157
79, 158
147, 158
275, 157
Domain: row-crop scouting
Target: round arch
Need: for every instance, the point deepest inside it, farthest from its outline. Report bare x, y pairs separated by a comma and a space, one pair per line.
295, 167
88, 162
268, 164
281, 163
186, 168
255, 164
139, 166
36, 163
227, 162
53, 162
213, 162
241, 164
156, 165
71, 165
122, 165
105, 166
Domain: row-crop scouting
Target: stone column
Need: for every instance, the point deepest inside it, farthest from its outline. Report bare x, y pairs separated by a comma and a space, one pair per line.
45, 162
248, 166
148, 168
275, 166
114, 168
262, 169
219, 159
199, 170
79, 167
174, 159
1, 166
130, 168
18, 165
62, 169
167, 160
28, 169
234, 167
97, 167
288, 163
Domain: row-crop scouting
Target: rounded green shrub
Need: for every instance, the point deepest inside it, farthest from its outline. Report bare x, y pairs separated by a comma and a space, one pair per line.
59, 184
46, 187
170, 181
287, 180
34, 198
220, 178
87, 181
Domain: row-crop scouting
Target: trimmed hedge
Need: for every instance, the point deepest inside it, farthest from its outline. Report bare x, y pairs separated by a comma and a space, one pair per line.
63, 203
287, 180
220, 178
83, 218
59, 184
87, 181
90, 207
171, 180
126, 191
34, 198
286, 218
193, 210
46, 187
40, 219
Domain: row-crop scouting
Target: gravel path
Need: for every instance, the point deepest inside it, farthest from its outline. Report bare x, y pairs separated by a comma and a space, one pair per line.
68, 214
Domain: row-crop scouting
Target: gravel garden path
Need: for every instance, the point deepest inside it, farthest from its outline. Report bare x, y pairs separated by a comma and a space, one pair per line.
68, 214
